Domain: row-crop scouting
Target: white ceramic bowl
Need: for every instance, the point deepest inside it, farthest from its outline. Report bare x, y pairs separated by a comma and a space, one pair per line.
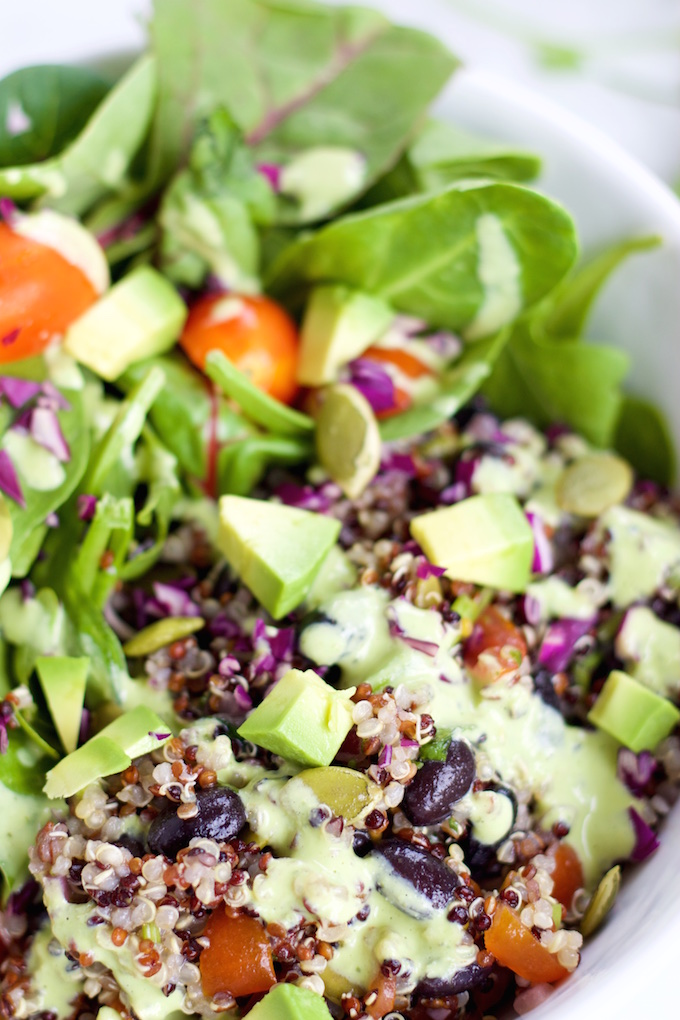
628, 969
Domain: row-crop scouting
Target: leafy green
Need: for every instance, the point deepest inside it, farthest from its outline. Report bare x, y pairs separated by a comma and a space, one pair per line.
568, 305
158, 469
23, 808
97, 161
124, 430
255, 403
467, 258
454, 387
108, 680
642, 436
293, 75
240, 467
442, 154
565, 381
32, 627
110, 532
43, 108
186, 414
28, 521
210, 211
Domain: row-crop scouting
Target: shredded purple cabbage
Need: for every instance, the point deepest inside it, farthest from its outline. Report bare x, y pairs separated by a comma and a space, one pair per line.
9, 481
171, 600
87, 505
557, 648
646, 841
272, 171
45, 429
425, 570
544, 559
18, 391
635, 770
373, 382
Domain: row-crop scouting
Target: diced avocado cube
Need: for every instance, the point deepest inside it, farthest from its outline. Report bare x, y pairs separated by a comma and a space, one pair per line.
139, 317
339, 325
276, 550
302, 718
63, 680
289, 1002
484, 539
112, 749
632, 714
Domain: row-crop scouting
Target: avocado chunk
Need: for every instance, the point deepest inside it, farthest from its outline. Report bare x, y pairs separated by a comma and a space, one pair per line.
288, 1002
484, 539
650, 649
339, 325
63, 680
302, 718
137, 732
632, 714
139, 317
276, 550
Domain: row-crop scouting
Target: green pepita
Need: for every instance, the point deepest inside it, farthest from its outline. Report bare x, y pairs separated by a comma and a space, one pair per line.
347, 439
161, 633
594, 483
602, 901
349, 794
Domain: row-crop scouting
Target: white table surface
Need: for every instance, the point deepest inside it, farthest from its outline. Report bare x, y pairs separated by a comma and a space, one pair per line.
614, 62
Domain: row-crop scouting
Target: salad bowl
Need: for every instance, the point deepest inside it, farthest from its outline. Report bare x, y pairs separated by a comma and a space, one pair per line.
628, 966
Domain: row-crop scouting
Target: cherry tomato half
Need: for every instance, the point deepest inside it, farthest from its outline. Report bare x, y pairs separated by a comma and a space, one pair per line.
254, 333
41, 294
495, 647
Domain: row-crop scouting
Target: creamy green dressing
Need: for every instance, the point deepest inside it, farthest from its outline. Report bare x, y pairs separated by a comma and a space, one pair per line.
643, 553
37, 467
650, 650
570, 771
557, 600
499, 271
54, 979
69, 926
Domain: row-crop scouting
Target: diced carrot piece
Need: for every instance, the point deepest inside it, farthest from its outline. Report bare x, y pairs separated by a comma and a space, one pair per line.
515, 947
238, 960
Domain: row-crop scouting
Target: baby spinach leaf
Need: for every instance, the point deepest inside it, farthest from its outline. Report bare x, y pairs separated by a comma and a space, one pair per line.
261, 408
110, 531
293, 75
468, 258
43, 108
158, 469
567, 307
643, 437
188, 414
565, 381
32, 627
210, 210
442, 154
108, 678
97, 161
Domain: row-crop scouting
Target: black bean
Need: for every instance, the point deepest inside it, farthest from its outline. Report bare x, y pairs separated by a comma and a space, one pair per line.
220, 816
135, 846
404, 865
460, 981
460, 757
438, 786
544, 687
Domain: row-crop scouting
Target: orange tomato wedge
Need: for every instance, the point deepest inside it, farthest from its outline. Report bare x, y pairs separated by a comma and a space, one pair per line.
41, 294
567, 874
514, 946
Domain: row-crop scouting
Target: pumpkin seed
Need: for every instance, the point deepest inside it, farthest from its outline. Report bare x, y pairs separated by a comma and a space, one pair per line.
593, 483
349, 794
602, 901
347, 439
161, 633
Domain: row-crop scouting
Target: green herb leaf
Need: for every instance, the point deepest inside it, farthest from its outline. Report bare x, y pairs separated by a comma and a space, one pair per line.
241, 466
467, 258
110, 531
43, 108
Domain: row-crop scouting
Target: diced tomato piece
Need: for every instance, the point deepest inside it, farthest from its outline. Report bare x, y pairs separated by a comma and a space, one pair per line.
567, 874
495, 647
238, 960
515, 947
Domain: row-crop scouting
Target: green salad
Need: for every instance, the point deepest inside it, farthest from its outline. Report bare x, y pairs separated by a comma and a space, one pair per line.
339, 573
